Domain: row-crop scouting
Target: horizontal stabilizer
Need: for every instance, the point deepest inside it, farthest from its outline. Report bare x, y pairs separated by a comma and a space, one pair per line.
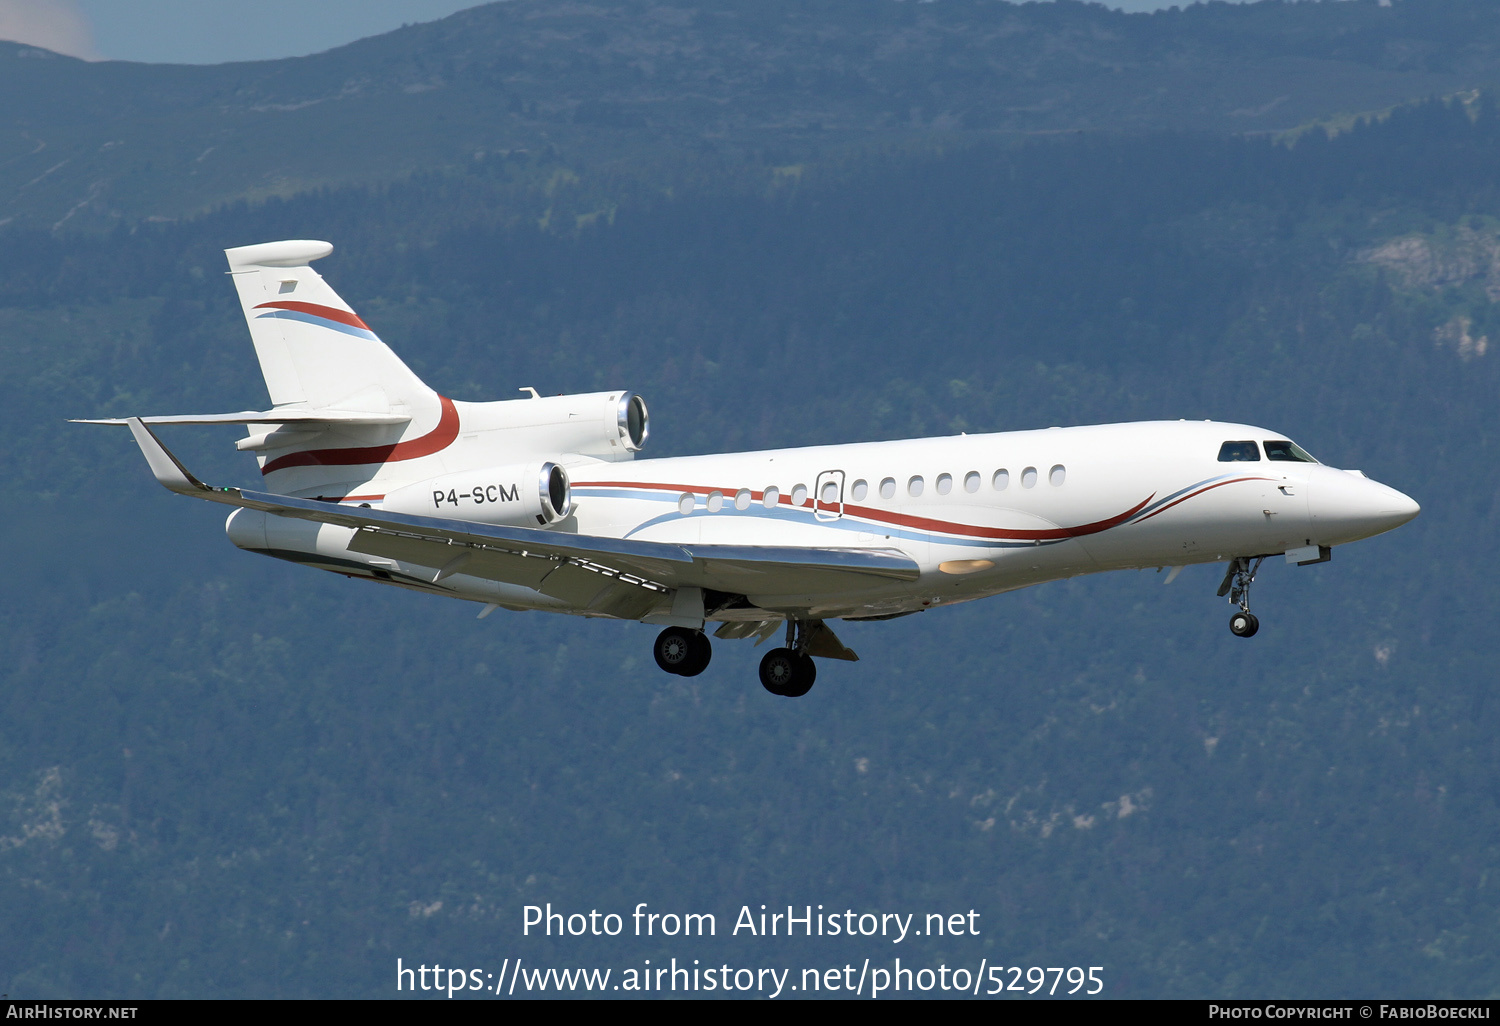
311, 417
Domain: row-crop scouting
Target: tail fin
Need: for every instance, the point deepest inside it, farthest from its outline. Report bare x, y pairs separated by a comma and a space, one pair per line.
313, 349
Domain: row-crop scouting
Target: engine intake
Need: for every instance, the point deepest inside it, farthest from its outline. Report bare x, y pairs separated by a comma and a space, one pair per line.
521, 495
633, 422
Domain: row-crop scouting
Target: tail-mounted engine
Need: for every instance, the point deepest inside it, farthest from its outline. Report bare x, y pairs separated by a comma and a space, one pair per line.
604, 425
523, 495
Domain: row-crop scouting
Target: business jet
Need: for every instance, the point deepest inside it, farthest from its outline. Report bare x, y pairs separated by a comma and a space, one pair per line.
539, 503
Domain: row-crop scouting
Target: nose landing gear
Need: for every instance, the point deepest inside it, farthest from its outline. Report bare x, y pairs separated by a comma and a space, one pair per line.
1237, 581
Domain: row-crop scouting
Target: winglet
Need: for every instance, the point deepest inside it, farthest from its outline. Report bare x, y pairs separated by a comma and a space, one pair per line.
168, 470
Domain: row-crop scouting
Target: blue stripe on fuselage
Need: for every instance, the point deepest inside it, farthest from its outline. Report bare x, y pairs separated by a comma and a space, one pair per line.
844, 523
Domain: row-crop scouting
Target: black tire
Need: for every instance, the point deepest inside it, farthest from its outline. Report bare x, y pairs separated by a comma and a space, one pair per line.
779, 671
807, 672
674, 649
701, 655
1244, 625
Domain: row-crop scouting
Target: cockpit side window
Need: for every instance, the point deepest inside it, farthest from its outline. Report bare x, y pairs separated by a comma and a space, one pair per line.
1287, 452
1240, 452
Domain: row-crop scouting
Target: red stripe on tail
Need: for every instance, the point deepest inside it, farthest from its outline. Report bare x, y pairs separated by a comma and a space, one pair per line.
317, 310
436, 440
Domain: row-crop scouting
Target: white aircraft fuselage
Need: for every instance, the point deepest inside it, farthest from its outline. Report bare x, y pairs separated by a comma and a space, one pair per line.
978, 514
540, 503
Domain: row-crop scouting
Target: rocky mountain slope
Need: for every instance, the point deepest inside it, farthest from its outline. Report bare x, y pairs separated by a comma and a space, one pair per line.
630, 83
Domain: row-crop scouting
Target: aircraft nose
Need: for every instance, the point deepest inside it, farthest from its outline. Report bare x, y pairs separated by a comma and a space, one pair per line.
1347, 506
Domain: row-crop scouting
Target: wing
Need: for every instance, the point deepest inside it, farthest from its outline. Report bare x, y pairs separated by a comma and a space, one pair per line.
570, 564
324, 417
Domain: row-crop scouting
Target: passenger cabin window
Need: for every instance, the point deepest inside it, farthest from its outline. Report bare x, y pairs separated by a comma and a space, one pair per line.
1287, 452
1239, 452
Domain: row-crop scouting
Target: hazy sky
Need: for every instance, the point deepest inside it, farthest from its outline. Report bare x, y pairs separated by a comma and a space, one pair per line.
213, 31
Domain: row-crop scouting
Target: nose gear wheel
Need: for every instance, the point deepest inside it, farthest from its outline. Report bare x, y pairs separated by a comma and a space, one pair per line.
1237, 581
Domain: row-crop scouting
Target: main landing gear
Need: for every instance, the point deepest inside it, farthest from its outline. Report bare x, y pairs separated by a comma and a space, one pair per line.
790, 671
1237, 581
683, 652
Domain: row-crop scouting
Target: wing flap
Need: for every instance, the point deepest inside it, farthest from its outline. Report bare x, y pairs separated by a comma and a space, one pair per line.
624, 602
584, 588
575, 585
755, 568
489, 564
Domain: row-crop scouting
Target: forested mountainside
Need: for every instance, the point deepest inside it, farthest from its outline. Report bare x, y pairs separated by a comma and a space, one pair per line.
648, 87
223, 775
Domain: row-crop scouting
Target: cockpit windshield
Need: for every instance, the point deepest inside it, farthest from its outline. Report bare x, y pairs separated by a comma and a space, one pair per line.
1287, 452
1240, 452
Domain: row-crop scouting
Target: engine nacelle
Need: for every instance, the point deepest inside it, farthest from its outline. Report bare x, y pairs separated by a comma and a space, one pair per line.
521, 495
604, 425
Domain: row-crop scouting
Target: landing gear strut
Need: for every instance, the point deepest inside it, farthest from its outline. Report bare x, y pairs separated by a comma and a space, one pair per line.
1237, 581
790, 671
683, 652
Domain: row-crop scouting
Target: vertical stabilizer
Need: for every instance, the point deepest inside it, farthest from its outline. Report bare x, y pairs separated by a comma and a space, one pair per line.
314, 351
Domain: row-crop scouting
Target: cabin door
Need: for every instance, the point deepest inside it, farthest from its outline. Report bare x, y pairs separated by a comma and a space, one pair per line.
828, 496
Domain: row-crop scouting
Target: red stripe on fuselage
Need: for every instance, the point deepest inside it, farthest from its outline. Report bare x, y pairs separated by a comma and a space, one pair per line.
436, 440
317, 310
899, 519
1199, 492
946, 527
